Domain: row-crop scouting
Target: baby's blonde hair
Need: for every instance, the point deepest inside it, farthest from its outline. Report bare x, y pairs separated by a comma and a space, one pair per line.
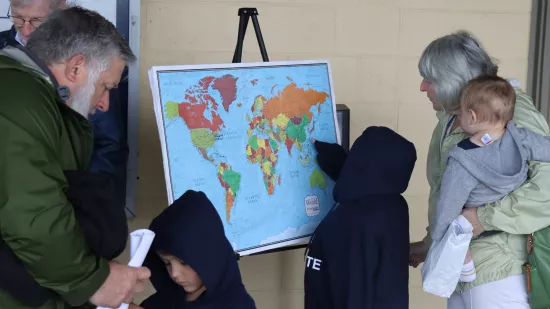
492, 98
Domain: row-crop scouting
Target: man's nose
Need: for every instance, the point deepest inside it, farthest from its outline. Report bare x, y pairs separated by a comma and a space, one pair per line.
26, 30
103, 104
424, 85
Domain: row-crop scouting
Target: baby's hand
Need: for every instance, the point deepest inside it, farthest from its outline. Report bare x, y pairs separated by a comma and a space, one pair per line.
471, 215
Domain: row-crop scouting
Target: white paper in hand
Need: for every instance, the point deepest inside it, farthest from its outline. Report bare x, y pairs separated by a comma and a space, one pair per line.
140, 242
441, 270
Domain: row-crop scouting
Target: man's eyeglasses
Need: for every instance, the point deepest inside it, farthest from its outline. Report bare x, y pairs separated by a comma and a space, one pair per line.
20, 22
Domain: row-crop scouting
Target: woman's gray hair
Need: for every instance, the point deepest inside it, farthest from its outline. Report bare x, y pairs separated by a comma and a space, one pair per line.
450, 62
54, 4
78, 31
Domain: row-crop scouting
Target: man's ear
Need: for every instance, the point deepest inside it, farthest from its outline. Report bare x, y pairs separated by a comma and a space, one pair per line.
62, 4
75, 68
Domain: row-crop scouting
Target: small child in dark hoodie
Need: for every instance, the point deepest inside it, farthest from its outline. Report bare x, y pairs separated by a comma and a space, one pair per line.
192, 263
358, 256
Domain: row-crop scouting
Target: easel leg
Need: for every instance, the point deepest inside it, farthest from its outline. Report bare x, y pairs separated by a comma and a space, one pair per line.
260, 38
243, 23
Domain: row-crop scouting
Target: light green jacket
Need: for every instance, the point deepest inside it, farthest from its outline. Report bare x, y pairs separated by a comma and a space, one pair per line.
522, 212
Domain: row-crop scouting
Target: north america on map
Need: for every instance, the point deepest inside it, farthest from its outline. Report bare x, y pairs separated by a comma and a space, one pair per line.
244, 136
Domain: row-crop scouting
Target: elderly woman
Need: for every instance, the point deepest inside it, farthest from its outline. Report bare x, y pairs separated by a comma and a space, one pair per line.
446, 65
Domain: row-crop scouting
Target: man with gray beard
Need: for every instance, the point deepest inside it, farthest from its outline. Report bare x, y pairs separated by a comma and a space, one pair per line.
110, 154
48, 89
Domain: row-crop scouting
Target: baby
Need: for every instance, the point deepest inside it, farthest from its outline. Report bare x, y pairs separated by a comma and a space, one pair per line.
492, 162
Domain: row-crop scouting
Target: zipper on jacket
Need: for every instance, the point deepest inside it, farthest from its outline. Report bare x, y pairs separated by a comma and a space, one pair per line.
530, 243
528, 271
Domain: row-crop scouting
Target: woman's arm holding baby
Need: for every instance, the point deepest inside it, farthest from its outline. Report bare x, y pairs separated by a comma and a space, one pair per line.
527, 209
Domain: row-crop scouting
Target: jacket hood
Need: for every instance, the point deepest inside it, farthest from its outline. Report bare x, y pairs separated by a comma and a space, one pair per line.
24, 61
380, 162
191, 229
493, 164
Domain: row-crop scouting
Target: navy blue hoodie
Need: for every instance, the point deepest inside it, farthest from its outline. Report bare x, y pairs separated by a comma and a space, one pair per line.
358, 256
192, 230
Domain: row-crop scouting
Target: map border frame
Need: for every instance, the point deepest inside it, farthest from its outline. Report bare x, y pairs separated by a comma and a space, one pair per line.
159, 115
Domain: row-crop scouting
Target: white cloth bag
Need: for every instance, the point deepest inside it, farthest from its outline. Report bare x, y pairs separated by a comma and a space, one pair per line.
443, 265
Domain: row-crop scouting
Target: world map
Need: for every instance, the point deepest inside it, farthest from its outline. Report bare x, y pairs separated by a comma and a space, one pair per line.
244, 136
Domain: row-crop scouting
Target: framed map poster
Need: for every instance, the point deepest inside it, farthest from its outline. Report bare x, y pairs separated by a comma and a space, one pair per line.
243, 134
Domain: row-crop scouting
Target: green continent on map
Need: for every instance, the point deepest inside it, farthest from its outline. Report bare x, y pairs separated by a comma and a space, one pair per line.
298, 131
233, 179
317, 179
171, 110
203, 139
231, 182
281, 119
253, 142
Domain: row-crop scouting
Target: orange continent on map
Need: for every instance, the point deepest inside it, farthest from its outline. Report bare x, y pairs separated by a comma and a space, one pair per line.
293, 102
280, 119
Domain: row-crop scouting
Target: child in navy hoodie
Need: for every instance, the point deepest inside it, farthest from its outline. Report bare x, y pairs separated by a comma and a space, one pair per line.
192, 263
358, 257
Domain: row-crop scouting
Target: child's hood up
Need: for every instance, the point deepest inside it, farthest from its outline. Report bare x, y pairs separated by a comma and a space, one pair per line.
191, 229
380, 162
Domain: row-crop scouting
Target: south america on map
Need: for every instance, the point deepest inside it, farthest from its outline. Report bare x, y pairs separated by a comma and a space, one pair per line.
244, 136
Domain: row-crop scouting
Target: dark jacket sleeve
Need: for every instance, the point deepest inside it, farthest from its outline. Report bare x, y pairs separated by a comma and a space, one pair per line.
331, 158
98, 211
37, 221
16, 281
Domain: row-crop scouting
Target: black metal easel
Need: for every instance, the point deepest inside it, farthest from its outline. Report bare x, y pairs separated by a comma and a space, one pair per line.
245, 14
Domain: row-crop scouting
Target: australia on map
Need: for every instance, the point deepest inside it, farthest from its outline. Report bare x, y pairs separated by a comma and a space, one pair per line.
244, 136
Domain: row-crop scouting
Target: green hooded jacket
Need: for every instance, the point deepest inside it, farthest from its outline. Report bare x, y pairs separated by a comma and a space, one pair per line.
41, 137
522, 212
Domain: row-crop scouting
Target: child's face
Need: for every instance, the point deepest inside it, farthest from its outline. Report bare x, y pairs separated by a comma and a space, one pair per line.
181, 273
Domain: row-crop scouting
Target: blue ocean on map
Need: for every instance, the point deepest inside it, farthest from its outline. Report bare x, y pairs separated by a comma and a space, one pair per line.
244, 136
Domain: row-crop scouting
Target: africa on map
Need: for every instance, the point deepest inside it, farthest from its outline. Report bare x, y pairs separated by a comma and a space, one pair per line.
243, 134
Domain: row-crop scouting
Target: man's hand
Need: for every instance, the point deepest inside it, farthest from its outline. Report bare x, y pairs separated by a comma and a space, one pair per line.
417, 253
471, 215
122, 283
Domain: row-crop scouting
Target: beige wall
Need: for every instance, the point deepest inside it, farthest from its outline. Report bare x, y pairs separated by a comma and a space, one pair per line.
373, 46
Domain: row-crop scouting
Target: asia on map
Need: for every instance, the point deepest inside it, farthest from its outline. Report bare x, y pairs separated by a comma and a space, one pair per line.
243, 134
